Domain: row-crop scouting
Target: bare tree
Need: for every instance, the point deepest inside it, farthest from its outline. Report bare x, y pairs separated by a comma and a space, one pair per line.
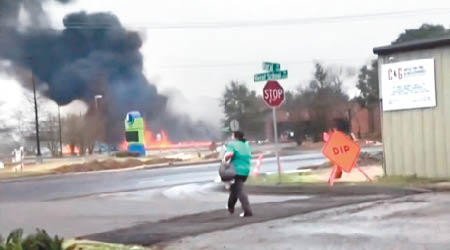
24, 119
72, 131
50, 133
93, 130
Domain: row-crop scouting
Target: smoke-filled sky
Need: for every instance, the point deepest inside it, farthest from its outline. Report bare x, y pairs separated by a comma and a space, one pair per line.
201, 61
194, 48
92, 55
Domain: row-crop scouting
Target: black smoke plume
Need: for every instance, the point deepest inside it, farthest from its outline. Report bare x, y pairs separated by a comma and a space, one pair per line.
93, 55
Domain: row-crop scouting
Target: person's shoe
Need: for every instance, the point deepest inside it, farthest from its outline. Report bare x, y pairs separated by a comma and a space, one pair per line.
244, 214
230, 209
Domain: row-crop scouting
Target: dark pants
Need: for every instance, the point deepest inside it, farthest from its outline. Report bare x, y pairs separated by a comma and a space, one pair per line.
237, 192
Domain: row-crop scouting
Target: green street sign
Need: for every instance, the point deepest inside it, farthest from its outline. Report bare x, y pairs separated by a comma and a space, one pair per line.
268, 66
271, 76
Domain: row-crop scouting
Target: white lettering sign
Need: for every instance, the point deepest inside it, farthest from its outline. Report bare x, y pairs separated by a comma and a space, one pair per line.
272, 95
408, 85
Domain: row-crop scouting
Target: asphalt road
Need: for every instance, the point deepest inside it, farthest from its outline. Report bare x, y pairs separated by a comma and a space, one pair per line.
77, 185
80, 204
411, 222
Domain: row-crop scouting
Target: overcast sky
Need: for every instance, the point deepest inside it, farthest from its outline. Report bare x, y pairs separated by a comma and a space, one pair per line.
196, 47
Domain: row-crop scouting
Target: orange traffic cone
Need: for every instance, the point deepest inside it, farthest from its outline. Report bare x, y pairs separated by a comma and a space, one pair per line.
336, 173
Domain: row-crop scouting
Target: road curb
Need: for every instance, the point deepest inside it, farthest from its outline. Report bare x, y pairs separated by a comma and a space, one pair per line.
438, 187
141, 167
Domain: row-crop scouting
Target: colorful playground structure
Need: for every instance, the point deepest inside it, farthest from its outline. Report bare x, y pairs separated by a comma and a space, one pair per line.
135, 132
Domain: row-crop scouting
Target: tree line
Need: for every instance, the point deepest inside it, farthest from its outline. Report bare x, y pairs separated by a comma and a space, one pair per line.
324, 94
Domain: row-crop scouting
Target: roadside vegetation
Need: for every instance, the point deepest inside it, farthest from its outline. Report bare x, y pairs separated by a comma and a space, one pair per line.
41, 240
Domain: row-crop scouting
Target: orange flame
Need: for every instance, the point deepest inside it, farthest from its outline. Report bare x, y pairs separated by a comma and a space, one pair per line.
67, 150
161, 141
123, 146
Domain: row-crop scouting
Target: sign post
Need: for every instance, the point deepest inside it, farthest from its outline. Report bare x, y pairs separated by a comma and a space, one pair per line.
277, 149
273, 95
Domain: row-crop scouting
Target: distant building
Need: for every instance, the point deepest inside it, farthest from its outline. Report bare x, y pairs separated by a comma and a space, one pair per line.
364, 122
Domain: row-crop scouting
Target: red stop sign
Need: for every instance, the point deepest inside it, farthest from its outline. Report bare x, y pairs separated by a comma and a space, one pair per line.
273, 94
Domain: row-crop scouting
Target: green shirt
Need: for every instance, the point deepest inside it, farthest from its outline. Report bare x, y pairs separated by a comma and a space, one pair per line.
242, 153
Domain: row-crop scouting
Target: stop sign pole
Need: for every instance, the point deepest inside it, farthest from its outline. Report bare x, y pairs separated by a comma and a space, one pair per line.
273, 95
277, 150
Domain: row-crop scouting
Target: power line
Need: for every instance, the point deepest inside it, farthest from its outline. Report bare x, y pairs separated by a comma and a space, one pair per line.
255, 64
295, 21
260, 23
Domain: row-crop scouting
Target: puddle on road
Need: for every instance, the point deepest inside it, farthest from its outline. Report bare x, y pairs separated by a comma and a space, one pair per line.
195, 192
210, 192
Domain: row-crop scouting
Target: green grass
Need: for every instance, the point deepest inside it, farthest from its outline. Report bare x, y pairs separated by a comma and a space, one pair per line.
18, 175
408, 180
41, 240
312, 178
37, 241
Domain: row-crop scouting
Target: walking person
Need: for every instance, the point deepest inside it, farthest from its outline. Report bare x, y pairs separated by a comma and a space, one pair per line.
239, 152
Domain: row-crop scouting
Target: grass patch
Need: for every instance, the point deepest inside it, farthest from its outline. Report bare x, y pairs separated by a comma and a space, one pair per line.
412, 180
312, 178
12, 175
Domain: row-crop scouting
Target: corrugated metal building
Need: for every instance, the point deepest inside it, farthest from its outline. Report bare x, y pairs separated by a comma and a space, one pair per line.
416, 128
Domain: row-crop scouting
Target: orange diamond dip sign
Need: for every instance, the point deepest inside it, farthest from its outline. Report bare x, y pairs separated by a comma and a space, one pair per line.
341, 151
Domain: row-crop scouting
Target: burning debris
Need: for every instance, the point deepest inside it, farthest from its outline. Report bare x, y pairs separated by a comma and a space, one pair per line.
69, 150
138, 138
153, 142
93, 55
163, 142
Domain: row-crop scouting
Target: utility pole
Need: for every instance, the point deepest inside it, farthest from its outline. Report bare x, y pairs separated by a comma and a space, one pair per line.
350, 120
36, 115
96, 98
60, 134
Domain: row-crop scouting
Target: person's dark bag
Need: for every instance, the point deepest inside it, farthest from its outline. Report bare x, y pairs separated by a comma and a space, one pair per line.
227, 171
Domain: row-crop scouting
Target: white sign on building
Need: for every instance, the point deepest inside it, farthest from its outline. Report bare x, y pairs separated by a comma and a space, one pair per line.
408, 85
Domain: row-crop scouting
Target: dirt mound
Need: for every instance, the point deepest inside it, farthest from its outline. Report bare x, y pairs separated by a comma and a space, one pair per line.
98, 165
